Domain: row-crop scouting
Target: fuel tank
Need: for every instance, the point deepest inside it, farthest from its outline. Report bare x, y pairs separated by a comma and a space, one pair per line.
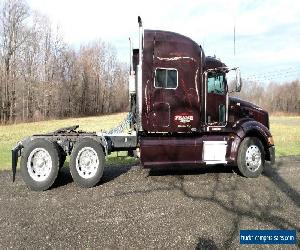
187, 149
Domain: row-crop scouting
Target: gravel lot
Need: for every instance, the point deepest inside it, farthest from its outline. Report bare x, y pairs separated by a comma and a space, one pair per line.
137, 208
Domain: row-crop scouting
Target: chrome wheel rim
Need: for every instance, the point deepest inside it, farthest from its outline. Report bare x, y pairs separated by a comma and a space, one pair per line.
87, 162
39, 164
253, 158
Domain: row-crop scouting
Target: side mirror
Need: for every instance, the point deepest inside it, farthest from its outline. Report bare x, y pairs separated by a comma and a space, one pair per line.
238, 80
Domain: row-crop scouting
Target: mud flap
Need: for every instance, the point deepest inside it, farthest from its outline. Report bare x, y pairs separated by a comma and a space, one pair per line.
272, 155
15, 153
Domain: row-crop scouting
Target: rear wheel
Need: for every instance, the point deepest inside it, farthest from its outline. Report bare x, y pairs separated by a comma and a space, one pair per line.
87, 163
40, 164
251, 157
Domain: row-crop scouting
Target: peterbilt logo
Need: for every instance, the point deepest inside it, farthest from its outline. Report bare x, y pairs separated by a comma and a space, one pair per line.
184, 118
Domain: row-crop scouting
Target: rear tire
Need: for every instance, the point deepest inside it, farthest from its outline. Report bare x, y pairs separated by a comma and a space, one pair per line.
87, 163
40, 164
251, 157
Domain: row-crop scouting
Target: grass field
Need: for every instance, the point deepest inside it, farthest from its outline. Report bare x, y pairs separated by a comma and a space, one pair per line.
11, 134
286, 134
285, 130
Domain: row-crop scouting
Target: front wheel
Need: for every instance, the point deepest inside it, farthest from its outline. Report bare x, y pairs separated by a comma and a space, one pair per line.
251, 157
87, 163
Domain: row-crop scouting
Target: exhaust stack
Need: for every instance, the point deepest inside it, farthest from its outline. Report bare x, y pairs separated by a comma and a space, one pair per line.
139, 76
132, 87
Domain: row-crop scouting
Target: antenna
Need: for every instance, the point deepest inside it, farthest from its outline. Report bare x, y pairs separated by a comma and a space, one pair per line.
234, 39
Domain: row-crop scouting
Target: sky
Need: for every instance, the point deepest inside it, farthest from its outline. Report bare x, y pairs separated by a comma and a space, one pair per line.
267, 32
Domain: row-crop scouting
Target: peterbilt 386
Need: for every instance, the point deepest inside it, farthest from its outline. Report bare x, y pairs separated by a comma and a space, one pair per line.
180, 114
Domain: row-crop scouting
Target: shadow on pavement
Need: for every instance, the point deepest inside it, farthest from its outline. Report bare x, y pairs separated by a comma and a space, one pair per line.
204, 243
266, 211
192, 170
110, 173
273, 175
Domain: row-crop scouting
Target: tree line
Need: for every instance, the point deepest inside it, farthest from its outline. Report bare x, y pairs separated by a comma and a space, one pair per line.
274, 97
42, 77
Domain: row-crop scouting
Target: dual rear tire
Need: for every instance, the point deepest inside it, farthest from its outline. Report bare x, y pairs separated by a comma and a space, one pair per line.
40, 164
42, 159
87, 163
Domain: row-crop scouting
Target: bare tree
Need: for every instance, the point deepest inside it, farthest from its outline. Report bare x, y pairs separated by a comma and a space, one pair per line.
13, 34
274, 97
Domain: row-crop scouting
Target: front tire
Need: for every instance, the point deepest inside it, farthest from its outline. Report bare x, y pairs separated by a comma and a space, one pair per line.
87, 163
40, 164
251, 157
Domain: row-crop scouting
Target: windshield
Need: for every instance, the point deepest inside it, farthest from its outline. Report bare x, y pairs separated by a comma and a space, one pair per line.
216, 83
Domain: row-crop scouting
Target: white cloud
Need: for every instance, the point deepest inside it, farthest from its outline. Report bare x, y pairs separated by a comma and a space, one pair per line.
209, 21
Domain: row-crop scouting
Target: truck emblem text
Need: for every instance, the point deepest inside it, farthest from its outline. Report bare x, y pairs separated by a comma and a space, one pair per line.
184, 118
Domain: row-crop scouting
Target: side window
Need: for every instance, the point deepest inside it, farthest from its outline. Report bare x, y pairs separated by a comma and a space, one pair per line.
216, 84
166, 78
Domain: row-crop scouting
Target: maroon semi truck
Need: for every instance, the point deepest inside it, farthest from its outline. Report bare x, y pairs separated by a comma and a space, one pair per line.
180, 114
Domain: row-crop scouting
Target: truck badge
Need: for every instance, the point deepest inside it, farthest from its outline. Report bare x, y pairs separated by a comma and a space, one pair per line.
184, 118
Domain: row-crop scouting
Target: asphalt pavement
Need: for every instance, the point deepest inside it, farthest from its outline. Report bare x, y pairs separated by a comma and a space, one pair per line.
133, 207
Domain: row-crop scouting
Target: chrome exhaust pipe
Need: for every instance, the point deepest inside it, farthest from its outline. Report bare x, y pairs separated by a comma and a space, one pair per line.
139, 76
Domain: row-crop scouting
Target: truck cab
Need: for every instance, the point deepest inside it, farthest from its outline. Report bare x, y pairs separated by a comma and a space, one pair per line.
184, 114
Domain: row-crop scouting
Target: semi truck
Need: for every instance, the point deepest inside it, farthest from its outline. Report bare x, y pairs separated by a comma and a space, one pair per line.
180, 114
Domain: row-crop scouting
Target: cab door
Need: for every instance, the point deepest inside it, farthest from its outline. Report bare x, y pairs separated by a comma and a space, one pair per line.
216, 99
